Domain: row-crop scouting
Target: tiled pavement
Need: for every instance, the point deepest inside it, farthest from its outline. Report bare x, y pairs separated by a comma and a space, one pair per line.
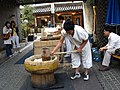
13, 76
110, 80
3, 53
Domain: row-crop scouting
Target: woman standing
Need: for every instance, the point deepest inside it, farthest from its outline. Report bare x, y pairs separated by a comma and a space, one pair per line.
7, 30
15, 37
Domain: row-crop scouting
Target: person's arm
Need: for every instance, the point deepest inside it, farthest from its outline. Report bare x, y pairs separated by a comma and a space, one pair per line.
82, 46
82, 35
59, 44
110, 44
5, 31
17, 31
103, 48
56, 32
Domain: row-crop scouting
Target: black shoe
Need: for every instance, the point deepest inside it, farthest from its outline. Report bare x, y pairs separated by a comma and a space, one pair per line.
77, 75
86, 77
104, 68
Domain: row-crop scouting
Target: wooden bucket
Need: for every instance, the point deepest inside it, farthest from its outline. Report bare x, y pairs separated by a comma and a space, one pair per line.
42, 73
43, 81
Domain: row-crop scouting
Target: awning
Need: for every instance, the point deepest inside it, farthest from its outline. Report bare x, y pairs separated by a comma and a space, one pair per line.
113, 12
23, 2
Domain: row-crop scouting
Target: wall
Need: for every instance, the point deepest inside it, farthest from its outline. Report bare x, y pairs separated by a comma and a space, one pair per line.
88, 16
101, 10
7, 9
101, 17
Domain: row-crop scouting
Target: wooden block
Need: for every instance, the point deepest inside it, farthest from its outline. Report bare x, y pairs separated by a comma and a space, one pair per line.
38, 45
116, 56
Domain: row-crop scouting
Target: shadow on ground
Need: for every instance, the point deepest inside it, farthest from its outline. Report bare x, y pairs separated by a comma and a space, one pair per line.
62, 83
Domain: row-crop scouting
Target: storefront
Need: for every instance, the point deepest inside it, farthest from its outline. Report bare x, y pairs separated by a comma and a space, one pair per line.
76, 13
73, 11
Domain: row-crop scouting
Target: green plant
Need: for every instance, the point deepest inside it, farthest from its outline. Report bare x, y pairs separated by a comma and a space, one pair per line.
27, 20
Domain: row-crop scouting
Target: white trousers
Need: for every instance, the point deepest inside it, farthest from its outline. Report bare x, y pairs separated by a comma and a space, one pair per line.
85, 57
68, 44
107, 57
15, 40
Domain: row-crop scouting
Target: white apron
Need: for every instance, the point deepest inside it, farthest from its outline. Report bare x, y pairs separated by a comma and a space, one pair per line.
85, 57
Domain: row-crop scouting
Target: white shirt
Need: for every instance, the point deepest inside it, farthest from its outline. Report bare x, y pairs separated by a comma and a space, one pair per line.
6, 31
113, 41
79, 35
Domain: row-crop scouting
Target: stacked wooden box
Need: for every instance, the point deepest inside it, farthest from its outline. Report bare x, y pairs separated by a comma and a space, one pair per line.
46, 41
38, 45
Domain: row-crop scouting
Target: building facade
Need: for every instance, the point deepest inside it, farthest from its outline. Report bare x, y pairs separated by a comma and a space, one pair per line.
80, 14
50, 12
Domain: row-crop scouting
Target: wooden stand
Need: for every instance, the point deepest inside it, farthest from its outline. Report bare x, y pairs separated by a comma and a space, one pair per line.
43, 80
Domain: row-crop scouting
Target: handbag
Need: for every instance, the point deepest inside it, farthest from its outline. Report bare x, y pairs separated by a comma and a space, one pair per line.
6, 36
117, 51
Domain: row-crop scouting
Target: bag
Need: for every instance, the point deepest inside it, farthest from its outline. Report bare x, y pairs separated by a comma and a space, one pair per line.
117, 51
96, 54
6, 36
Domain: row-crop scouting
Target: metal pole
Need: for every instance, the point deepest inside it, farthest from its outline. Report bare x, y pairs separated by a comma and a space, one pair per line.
116, 30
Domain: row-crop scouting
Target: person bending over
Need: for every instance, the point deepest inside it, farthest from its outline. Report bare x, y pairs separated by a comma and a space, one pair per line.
78, 38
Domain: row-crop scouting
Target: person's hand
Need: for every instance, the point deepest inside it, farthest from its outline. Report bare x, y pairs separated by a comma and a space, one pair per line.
52, 53
103, 48
10, 31
79, 50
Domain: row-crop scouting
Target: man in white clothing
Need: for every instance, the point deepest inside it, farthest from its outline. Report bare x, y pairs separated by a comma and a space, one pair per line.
67, 42
78, 38
113, 44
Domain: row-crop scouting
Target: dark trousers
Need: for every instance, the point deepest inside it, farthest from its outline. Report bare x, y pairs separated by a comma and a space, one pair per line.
8, 49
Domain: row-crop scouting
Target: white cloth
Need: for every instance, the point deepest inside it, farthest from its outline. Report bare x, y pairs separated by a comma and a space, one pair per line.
113, 44
79, 36
107, 56
67, 42
63, 23
15, 40
113, 41
68, 45
6, 31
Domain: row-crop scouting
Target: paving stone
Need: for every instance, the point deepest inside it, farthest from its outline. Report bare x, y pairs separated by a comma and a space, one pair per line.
12, 76
112, 78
